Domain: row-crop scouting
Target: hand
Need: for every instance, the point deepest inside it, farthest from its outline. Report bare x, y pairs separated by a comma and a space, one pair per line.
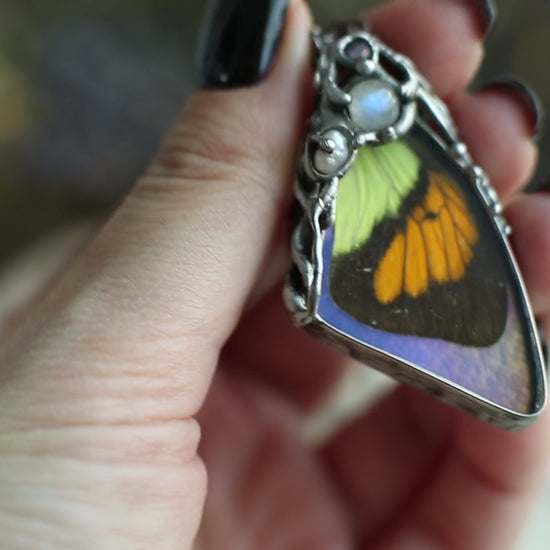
101, 385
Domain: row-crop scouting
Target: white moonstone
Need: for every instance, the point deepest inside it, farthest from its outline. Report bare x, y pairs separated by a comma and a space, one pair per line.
330, 163
374, 105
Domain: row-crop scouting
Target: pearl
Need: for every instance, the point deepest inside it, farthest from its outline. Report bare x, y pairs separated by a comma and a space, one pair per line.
332, 153
374, 105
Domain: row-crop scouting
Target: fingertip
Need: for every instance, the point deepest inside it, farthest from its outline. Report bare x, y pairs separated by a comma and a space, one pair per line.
529, 216
513, 461
295, 41
485, 13
527, 102
495, 131
450, 49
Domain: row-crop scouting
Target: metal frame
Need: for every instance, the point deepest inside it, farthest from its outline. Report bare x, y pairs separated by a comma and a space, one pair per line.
316, 195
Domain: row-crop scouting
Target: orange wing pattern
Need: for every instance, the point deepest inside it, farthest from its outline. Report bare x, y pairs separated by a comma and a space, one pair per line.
436, 244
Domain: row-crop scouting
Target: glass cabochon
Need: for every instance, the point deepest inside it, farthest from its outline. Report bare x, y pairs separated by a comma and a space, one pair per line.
415, 267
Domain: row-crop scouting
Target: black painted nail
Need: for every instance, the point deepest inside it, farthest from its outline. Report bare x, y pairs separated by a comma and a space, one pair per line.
486, 14
239, 41
528, 100
542, 185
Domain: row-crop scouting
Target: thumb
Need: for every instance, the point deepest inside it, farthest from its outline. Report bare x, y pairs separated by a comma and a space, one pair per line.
122, 352
163, 285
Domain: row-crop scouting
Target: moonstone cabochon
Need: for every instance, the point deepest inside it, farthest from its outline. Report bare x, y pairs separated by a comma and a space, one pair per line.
374, 105
506, 372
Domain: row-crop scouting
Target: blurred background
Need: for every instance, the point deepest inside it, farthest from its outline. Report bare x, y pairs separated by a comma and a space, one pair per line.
87, 89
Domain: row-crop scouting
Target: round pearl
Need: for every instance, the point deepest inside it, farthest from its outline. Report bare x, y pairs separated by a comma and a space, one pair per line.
329, 163
374, 105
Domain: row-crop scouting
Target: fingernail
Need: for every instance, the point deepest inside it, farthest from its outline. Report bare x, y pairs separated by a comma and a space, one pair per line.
486, 14
526, 98
541, 185
239, 41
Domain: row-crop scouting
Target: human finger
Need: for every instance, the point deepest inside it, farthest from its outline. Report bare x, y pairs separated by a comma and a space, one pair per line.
127, 341
530, 219
499, 127
435, 468
267, 490
481, 492
163, 284
443, 38
381, 459
286, 358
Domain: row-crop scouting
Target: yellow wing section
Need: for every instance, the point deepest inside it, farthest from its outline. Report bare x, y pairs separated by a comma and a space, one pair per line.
373, 188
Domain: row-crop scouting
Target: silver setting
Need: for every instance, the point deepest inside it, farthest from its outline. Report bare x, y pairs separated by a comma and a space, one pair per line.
316, 193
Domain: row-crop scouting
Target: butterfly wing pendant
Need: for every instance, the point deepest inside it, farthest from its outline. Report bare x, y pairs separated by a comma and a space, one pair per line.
400, 251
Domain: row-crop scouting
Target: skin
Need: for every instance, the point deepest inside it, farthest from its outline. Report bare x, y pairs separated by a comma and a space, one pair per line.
179, 296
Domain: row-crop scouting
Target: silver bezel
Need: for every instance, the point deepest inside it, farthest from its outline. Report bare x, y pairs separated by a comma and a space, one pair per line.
316, 194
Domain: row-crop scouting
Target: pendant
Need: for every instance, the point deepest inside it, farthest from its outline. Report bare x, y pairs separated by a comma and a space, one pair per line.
400, 255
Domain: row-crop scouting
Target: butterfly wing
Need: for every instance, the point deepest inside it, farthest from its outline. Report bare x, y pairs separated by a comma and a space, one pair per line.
409, 253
